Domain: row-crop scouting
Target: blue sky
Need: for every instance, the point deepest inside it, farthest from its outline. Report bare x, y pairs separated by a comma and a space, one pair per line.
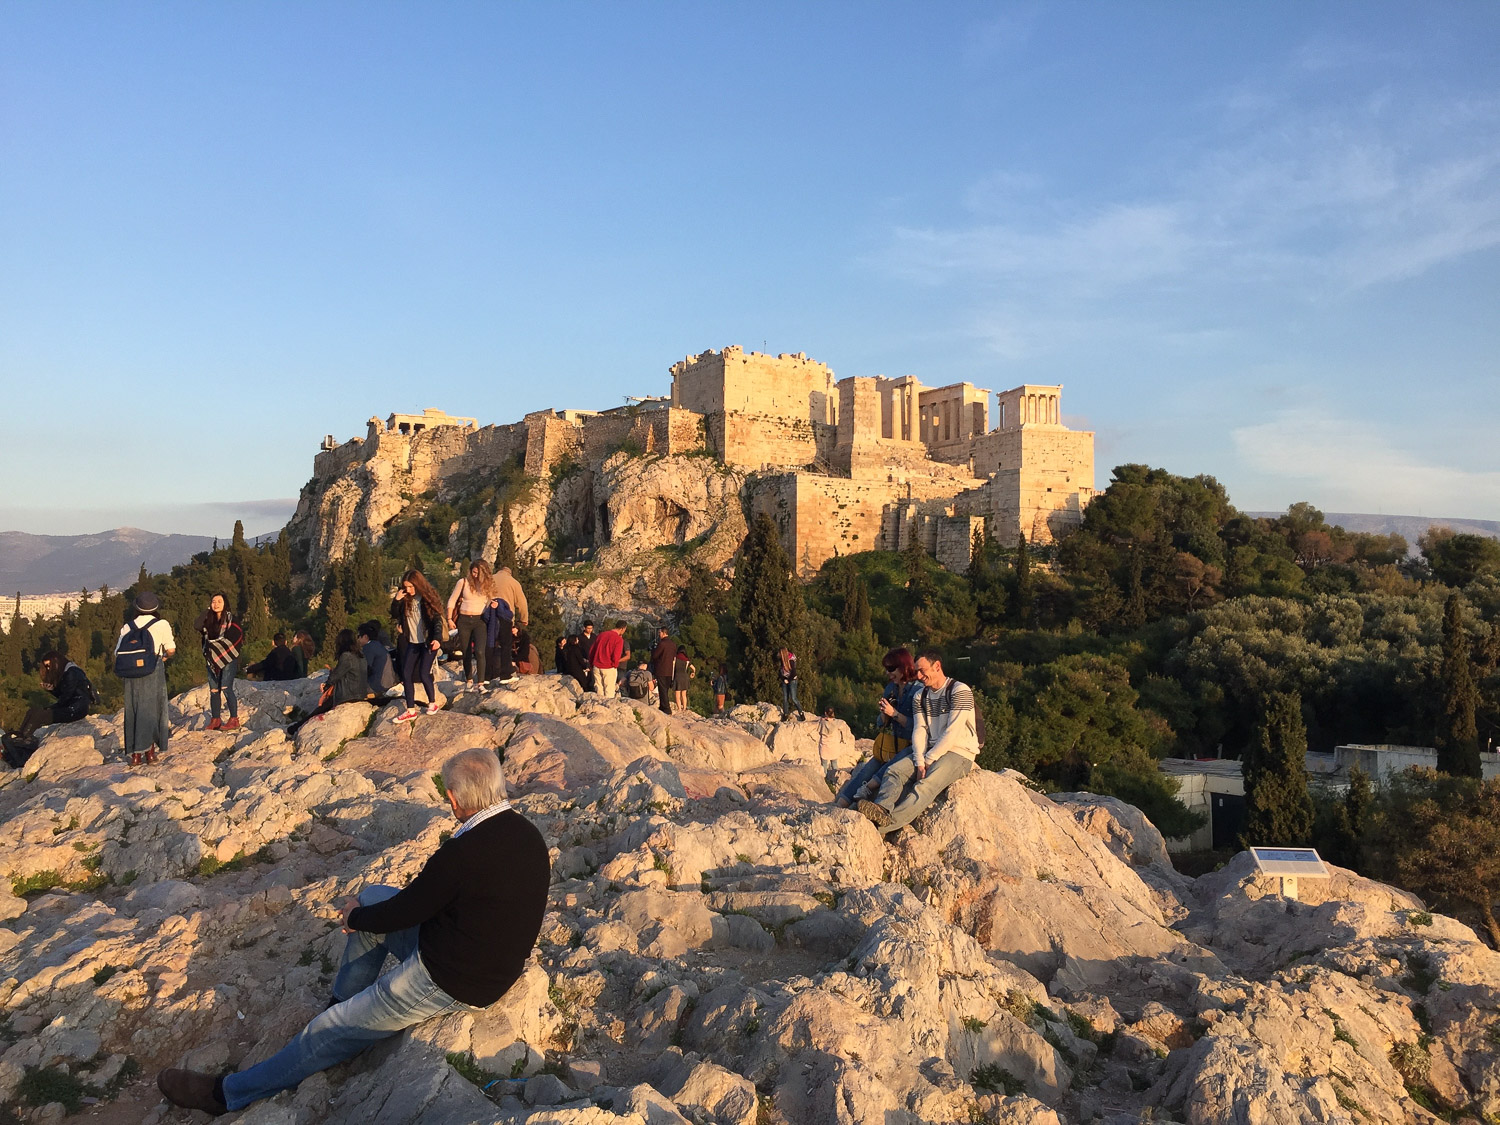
1260, 241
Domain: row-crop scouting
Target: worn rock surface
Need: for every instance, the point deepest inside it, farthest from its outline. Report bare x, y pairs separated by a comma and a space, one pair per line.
722, 945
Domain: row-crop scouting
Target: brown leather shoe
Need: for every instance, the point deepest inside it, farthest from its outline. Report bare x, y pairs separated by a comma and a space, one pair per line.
151, 756
216, 724
191, 1090
135, 760
231, 724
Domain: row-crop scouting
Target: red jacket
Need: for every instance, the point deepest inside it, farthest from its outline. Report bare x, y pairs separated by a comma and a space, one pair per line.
608, 647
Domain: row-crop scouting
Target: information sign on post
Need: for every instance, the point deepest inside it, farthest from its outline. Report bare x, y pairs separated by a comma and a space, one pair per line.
1289, 865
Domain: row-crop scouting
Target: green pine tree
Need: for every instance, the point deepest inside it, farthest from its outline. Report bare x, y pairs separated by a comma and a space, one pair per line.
1021, 598
771, 613
256, 620
336, 618
1457, 735
505, 553
856, 617
1278, 807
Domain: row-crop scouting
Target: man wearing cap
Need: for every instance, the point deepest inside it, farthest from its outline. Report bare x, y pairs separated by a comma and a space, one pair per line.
146, 723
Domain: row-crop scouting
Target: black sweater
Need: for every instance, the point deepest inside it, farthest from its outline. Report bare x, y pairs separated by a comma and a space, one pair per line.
74, 695
479, 902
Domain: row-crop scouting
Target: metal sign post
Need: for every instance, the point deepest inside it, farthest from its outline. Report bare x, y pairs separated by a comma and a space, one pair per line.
1289, 865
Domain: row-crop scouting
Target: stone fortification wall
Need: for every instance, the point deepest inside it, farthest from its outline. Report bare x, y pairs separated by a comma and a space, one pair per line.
1041, 479
821, 517
757, 441
789, 386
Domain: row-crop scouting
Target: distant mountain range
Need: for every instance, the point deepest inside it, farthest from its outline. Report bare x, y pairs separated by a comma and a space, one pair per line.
47, 564
1408, 527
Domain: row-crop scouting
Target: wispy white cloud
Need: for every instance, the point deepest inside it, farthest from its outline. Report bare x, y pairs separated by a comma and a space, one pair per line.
1315, 196
1357, 466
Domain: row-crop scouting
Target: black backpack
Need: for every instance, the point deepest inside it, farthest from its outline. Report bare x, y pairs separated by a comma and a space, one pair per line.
135, 655
948, 699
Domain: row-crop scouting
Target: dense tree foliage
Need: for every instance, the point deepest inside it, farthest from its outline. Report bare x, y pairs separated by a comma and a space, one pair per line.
1278, 807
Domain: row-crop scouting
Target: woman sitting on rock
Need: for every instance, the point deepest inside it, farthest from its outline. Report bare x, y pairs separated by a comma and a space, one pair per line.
348, 682
421, 623
70, 684
893, 728
221, 652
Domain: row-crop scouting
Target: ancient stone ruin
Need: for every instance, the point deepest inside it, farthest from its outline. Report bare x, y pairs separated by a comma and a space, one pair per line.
844, 465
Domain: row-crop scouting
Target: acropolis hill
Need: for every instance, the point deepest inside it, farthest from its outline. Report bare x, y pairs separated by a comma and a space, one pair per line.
843, 465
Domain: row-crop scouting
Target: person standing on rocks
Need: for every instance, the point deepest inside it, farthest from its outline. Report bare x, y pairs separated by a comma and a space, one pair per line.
500, 641
505, 586
683, 675
466, 605
721, 687
461, 932
944, 744
420, 624
786, 669
144, 646
221, 638
605, 656
662, 658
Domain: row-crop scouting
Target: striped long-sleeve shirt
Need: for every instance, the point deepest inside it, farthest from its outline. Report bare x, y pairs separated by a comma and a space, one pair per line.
943, 723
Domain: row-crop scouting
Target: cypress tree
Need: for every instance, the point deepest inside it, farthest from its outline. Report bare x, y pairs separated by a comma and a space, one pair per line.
1278, 808
239, 534
856, 605
256, 621
1021, 610
505, 553
1457, 735
771, 612
336, 616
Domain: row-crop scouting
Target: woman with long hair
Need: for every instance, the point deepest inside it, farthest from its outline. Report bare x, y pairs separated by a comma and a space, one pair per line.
221, 638
304, 648
421, 623
892, 726
347, 680
466, 605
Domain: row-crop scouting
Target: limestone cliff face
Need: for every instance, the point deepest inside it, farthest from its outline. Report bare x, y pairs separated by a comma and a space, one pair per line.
640, 518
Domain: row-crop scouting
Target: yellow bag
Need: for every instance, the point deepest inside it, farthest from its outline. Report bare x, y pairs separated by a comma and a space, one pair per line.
887, 745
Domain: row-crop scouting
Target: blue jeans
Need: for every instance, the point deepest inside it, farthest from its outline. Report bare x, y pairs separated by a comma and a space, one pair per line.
221, 683
416, 665
872, 769
904, 795
789, 698
375, 1009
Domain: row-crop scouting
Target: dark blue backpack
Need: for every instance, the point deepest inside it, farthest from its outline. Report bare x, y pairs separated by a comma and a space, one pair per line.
135, 655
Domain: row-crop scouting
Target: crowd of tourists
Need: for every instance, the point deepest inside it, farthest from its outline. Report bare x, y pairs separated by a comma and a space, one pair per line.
462, 930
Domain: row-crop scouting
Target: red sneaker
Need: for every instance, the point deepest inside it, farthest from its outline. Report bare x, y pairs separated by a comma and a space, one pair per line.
215, 725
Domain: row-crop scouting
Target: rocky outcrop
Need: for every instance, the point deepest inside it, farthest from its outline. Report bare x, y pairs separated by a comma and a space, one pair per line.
722, 945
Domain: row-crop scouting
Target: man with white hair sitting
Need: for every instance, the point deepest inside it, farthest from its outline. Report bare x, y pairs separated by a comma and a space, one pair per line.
461, 932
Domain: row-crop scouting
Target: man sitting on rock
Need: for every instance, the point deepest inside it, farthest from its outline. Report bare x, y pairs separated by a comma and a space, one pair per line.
461, 932
944, 743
